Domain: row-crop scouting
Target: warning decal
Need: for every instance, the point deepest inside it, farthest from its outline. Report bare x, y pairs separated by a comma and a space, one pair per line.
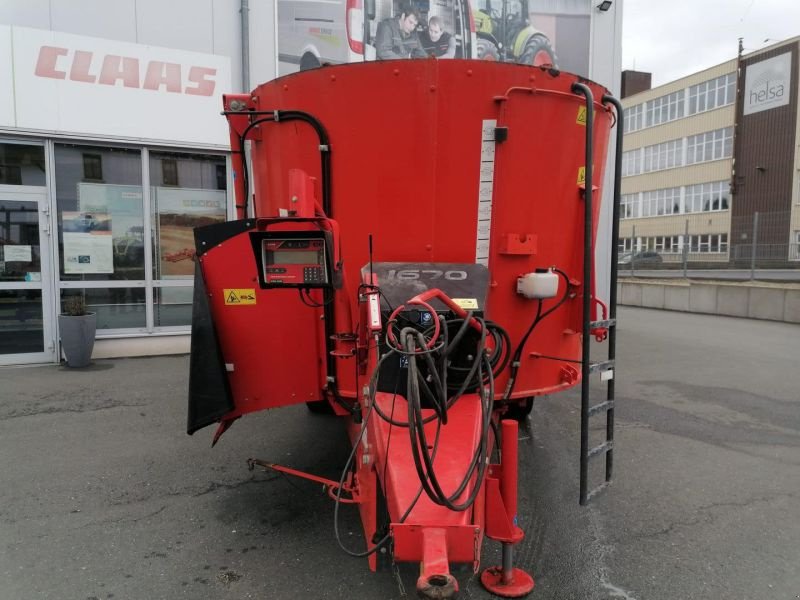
582, 175
581, 120
467, 303
239, 296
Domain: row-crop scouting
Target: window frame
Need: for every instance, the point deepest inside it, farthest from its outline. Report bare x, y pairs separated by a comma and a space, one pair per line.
149, 284
724, 84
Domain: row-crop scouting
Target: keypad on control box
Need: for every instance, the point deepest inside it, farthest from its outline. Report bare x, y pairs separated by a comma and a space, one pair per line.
313, 275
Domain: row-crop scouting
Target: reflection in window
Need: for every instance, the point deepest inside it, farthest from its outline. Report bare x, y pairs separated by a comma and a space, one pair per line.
176, 211
100, 225
92, 167
173, 306
116, 308
21, 322
169, 168
222, 177
21, 164
19, 241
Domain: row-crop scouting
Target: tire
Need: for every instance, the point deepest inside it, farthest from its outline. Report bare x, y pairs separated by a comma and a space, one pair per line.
320, 407
487, 50
519, 411
539, 53
309, 61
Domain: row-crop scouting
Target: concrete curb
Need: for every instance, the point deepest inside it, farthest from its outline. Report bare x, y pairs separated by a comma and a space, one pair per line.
754, 300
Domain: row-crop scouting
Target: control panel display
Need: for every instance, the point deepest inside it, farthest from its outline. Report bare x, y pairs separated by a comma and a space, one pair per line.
295, 262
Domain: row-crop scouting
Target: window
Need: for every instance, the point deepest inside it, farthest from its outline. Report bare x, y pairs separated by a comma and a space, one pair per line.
666, 155
100, 231
707, 197
634, 118
102, 244
99, 224
626, 244
629, 206
222, 177
672, 244
666, 108
661, 202
718, 243
169, 171
175, 212
712, 94
19, 228
711, 145
10, 175
794, 248
21, 164
708, 243
92, 167
631, 162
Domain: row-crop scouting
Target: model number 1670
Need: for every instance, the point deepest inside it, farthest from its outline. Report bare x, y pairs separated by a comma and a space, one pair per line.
411, 274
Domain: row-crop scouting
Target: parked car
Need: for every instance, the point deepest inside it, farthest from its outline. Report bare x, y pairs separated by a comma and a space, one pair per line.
646, 257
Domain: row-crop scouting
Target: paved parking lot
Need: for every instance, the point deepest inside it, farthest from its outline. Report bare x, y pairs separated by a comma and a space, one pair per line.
104, 496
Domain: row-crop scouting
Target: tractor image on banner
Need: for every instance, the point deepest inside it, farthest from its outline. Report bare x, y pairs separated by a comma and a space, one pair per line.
553, 33
422, 272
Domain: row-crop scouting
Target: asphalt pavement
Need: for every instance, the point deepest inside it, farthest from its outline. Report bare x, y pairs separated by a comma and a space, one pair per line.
104, 496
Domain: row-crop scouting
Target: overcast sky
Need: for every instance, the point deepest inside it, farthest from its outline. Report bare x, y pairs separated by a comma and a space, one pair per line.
674, 38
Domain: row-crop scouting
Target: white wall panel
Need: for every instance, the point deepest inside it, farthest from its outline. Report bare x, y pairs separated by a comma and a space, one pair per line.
112, 20
184, 24
262, 41
228, 37
7, 116
25, 13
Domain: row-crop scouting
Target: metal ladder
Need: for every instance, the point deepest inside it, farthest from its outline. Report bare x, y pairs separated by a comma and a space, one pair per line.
607, 368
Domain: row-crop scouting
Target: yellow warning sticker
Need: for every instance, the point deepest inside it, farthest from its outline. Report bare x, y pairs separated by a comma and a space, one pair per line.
467, 303
582, 175
239, 296
581, 120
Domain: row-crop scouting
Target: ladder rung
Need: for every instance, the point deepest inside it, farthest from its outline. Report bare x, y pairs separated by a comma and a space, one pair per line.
604, 447
608, 404
606, 323
601, 366
597, 490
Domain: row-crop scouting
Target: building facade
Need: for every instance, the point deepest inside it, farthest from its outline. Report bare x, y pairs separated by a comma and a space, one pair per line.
711, 162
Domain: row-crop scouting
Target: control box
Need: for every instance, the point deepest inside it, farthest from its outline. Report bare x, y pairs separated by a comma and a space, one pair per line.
295, 262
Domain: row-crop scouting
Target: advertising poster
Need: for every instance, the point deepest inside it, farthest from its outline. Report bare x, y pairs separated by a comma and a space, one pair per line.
535, 32
123, 206
178, 212
87, 243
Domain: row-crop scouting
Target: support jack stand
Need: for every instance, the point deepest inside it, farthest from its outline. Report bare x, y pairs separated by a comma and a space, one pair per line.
501, 516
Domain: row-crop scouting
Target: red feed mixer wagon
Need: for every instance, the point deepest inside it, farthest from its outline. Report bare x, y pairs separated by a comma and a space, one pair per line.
414, 252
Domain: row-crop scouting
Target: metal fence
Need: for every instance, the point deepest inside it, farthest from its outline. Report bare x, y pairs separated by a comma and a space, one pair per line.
712, 244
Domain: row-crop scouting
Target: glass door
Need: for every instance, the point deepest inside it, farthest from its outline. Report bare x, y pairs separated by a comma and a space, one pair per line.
26, 321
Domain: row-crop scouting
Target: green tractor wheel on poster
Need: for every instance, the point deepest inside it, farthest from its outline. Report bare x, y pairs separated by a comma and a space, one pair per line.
505, 34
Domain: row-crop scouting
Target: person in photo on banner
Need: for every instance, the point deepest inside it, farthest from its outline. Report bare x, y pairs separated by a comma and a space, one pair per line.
436, 41
397, 38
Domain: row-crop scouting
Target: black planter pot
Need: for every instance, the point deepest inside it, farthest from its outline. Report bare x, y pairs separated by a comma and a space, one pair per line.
77, 338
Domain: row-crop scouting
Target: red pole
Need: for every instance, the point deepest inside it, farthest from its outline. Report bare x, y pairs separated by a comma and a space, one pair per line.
508, 483
507, 581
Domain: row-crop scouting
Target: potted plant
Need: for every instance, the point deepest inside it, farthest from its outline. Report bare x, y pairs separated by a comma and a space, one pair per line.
77, 327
